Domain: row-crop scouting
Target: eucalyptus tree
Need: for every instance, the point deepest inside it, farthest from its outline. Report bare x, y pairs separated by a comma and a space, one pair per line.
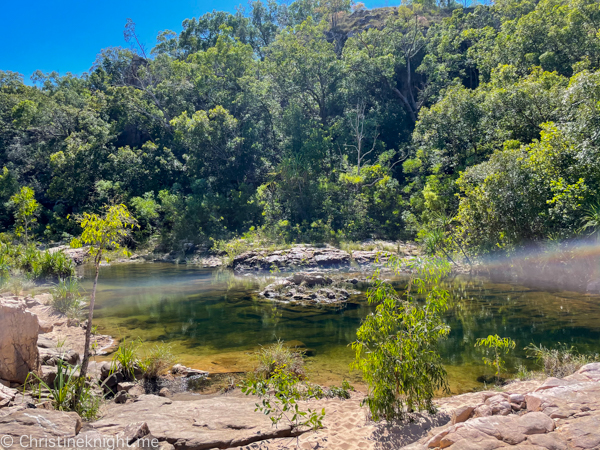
389, 57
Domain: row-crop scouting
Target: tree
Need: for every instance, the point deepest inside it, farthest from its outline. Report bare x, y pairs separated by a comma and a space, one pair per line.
498, 345
26, 207
357, 127
396, 345
390, 56
102, 233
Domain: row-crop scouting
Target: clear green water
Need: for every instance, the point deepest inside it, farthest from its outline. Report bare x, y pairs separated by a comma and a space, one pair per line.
215, 321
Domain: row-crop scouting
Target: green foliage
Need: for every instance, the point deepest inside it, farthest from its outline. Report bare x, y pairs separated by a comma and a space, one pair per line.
67, 298
33, 263
499, 346
279, 395
269, 118
63, 392
396, 345
561, 361
105, 232
25, 208
102, 233
157, 360
277, 357
126, 359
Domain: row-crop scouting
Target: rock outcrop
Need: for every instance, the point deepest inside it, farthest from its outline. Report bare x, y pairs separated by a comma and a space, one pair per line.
296, 257
40, 424
219, 422
306, 287
18, 341
76, 254
561, 414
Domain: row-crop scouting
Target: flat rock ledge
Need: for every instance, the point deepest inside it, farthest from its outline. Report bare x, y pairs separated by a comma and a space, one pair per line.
308, 257
561, 414
210, 423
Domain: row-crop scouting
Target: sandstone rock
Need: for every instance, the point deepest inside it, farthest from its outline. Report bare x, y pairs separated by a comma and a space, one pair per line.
48, 374
219, 422
121, 397
45, 327
310, 279
547, 441
31, 302
299, 256
111, 383
125, 386
134, 431
482, 411
516, 398
179, 369
50, 356
45, 342
76, 254
136, 391
499, 404
40, 423
105, 370
7, 396
164, 392
461, 414
18, 338
363, 257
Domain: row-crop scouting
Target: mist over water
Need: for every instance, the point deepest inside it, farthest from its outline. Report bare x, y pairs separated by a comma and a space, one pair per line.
215, 320
569, 265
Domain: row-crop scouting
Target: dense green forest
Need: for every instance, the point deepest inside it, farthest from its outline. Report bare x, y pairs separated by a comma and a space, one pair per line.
321, 121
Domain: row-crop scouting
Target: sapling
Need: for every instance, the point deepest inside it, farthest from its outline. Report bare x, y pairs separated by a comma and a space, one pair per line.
499, 346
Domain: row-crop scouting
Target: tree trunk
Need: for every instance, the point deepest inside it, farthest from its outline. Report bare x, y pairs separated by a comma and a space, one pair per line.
88, 331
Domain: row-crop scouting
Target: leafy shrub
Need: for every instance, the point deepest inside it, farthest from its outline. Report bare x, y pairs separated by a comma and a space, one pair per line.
498, 345
396, 345
55, 265
559, 362
35, 264
279, 396
67, 298
275, 356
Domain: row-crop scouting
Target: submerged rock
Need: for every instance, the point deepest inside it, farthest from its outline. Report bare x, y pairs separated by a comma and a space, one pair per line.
304, 287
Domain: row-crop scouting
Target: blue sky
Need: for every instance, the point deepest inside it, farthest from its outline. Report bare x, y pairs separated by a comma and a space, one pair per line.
66, 35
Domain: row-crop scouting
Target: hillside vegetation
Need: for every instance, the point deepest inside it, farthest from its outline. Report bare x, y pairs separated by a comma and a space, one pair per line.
476, 128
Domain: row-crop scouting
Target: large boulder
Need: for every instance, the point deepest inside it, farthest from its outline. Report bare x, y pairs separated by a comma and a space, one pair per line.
18, 341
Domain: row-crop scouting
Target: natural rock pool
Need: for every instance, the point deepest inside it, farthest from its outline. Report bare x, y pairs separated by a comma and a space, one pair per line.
215, 320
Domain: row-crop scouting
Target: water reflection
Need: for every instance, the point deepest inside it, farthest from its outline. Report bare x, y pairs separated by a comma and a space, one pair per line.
215, 320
